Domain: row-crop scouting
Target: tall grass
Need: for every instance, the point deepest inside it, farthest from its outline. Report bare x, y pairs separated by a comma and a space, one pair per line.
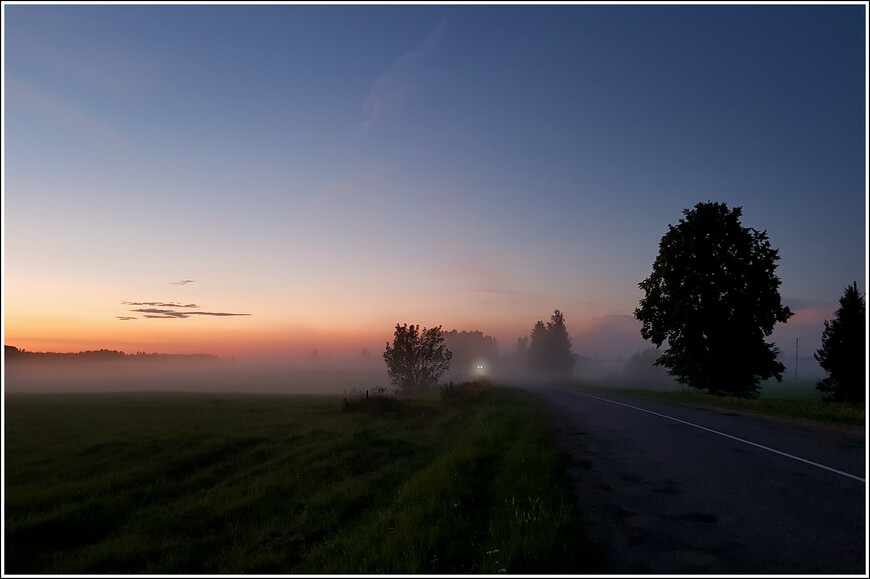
148, 483
496, 501
795, 400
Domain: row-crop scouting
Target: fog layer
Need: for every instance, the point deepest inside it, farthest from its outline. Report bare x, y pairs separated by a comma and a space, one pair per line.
214, 375
71, 373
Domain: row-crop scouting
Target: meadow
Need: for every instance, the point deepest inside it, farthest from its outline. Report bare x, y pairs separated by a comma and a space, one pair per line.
791, 398
234, 483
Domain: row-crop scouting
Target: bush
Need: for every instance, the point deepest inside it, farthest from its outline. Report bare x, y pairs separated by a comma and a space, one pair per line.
464, 393
376, 401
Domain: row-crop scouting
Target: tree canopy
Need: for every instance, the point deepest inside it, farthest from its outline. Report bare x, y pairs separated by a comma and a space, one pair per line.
713, 296
550, 347
844, 350
470, 349
417, 359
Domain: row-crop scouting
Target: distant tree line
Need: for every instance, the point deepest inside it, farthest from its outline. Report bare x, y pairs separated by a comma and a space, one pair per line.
11, 352
417, 358
14, 353
470, 349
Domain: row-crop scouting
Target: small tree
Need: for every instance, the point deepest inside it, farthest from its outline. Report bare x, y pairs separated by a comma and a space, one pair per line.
550, 348
416, 359
844, 350
714, 297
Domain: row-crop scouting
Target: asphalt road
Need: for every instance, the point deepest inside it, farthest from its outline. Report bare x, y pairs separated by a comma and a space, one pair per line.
663, 496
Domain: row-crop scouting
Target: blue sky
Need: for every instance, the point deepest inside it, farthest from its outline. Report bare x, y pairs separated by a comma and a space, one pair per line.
333, 170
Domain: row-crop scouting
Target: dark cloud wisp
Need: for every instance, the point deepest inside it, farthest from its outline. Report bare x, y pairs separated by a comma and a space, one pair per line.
160, 304
166, 314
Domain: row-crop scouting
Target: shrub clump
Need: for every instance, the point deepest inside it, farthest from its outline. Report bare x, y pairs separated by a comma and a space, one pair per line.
375, 401
464, 393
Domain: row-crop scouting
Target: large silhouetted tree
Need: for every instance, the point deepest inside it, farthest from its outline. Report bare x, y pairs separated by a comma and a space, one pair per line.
713, 296
844, 350
417, 358
550, 347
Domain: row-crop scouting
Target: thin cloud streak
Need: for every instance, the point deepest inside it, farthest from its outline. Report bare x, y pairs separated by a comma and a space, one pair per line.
64, 115
182, 282
160, 304
162, 313
392, 87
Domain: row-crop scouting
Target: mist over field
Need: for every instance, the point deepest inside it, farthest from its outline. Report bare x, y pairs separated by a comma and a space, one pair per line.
197, 375
68, 373
474, 356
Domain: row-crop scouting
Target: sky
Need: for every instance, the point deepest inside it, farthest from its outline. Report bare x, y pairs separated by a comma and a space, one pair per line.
266, 180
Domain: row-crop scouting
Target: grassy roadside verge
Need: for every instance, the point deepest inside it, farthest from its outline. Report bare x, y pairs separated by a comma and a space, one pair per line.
815, 410
157, 483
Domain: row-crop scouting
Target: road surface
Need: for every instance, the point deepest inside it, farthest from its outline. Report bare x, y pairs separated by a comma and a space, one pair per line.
678, 489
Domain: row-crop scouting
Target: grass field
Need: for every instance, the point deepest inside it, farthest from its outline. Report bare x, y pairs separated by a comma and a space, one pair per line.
198, 483
789, 398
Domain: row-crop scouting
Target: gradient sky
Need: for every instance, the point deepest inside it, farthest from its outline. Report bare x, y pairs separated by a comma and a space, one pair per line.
334, 170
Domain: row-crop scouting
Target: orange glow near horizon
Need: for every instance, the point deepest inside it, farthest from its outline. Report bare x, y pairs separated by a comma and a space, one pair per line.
247, 337
166, 337
85, 316
221, 337
46, 315
811, 316
238, 338
78, 317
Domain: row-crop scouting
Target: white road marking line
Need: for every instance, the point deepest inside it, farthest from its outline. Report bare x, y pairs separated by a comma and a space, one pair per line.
749, 442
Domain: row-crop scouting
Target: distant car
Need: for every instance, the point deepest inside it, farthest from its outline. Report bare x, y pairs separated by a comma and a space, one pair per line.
479, 369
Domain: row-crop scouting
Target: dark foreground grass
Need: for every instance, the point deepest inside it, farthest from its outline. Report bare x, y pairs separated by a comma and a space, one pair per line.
160, 483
